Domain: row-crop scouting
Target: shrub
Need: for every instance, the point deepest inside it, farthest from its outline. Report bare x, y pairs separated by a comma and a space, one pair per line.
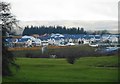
29, 55
71, 59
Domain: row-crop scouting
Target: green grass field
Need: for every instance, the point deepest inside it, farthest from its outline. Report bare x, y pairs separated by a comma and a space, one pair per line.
86, 69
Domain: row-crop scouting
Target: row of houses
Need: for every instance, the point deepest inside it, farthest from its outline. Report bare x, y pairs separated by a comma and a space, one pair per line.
61, 40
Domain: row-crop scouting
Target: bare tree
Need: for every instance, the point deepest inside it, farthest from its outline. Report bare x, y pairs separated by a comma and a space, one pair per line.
7, 23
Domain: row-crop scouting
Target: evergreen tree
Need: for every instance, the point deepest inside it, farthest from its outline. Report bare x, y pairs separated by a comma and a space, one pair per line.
8, 21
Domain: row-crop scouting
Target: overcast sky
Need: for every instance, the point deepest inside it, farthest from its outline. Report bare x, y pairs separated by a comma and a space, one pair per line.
29, 10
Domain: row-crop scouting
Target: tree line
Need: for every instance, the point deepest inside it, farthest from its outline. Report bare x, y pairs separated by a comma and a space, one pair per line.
40, 30
29, 30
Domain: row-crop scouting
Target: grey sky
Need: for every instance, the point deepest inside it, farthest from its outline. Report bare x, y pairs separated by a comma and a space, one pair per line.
29, 10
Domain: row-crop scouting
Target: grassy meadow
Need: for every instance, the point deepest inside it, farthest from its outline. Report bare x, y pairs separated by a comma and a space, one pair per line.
85, 69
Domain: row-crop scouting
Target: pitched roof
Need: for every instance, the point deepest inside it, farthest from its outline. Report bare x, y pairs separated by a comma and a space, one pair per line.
23, 39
